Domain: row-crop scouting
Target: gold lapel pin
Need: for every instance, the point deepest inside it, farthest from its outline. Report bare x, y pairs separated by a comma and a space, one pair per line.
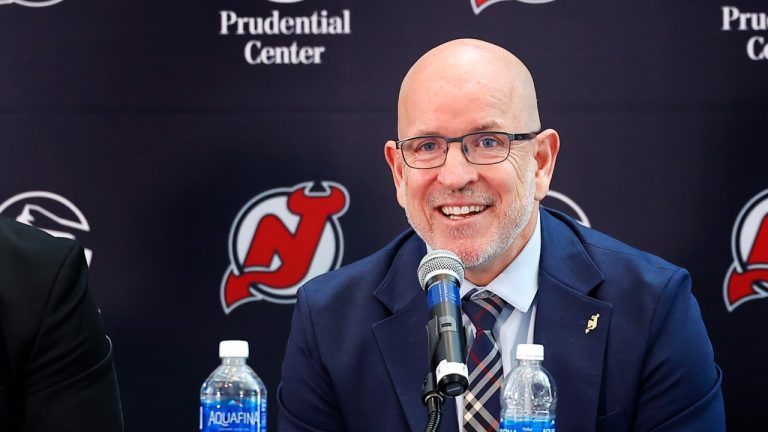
592, 323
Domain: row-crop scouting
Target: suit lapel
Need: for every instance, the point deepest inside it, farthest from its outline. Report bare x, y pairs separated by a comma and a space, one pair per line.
573, 355
402, 337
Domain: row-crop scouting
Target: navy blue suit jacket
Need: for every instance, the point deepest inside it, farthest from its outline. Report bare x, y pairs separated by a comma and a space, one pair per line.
357, 351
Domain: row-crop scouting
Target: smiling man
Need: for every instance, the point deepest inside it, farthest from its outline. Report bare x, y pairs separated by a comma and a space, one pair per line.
477, 200
470, 167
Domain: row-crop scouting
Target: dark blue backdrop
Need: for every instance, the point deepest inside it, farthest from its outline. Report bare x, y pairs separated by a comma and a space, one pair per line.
155, 127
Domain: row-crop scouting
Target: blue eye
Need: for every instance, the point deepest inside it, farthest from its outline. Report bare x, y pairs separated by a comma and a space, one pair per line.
488, 142
427, 147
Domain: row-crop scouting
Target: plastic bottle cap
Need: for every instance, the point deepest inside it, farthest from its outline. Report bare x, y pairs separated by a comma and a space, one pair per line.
530, 352
233, 348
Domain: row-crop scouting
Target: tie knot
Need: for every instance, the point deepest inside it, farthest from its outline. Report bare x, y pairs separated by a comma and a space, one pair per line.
482, 311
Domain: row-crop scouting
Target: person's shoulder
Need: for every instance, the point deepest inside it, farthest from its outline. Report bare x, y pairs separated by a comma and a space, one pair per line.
359, 278
22, 245
630, 276
31, 263
603, 246
632, 280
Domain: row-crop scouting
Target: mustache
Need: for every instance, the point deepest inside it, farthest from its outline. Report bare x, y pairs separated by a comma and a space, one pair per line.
440, 198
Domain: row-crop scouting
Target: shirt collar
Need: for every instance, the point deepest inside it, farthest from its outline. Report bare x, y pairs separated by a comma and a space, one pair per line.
518, 283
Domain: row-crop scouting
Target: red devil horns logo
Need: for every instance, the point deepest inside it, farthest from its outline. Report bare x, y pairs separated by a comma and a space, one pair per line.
747, 279
281, 239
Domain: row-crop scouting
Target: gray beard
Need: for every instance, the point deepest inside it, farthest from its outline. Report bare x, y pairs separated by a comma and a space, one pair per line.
512, 223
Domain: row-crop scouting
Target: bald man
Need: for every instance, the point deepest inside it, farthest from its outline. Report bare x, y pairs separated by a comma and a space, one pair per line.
470, 167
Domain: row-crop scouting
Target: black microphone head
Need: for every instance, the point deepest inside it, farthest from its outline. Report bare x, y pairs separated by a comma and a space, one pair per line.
440, 261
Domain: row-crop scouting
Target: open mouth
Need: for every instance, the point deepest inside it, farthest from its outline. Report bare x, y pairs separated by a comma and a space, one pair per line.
462, 212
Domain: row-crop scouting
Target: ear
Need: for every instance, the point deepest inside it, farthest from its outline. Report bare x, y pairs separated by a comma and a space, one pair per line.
395, 161
547, 145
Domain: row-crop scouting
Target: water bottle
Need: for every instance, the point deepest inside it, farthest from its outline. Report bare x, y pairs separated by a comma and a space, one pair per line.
233, 398
528, 398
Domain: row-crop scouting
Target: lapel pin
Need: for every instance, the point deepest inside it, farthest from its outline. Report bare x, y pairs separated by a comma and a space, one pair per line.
592, 323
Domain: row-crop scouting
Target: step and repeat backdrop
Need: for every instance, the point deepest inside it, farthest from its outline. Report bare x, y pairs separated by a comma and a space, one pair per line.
167, 137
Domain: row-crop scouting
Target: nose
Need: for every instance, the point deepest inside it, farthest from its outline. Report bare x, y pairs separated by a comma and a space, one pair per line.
456, 172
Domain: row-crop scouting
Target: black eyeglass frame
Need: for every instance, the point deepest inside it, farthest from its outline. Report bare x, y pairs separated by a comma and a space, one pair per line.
512, 137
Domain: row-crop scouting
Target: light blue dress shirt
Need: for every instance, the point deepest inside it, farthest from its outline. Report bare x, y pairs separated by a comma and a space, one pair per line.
517, 285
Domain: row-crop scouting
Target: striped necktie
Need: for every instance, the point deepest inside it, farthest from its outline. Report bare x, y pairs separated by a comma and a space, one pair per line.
482, 404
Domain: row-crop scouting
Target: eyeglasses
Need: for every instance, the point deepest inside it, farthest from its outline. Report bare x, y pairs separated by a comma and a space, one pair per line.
479, 148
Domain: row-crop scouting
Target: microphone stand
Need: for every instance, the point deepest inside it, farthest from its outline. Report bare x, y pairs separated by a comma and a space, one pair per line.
432, 398
430, 394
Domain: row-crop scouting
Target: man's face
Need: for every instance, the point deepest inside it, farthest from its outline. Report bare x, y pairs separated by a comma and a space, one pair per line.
480, 221
476, 211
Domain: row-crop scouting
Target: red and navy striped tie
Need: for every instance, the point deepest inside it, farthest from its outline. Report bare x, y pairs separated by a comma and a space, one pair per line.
482, 403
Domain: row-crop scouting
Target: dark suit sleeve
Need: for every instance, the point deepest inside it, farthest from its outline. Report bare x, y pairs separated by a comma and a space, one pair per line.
306, 398
69, 381
681, 382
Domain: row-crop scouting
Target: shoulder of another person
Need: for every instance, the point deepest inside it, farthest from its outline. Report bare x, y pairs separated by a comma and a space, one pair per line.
25, 246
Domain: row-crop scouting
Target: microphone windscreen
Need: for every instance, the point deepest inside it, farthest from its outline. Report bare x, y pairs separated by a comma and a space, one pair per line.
440, 261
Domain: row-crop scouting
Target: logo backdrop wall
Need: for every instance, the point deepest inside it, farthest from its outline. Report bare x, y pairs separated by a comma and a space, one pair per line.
214, 155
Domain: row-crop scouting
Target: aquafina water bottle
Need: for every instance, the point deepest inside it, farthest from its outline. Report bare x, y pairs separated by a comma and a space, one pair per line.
528, 398
233, 398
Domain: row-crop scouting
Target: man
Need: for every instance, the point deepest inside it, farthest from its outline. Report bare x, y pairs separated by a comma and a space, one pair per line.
56, 371
623, 336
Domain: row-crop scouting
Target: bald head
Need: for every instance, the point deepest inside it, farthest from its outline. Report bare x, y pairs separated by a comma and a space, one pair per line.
463, 70
483, 212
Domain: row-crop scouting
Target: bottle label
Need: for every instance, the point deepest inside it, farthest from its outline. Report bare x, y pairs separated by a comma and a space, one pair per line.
527, 425
243, 415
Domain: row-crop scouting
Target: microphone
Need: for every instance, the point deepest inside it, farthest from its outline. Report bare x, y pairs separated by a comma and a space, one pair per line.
441, 273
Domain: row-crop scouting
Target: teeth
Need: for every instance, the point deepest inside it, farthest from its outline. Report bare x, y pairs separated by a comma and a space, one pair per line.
461, 211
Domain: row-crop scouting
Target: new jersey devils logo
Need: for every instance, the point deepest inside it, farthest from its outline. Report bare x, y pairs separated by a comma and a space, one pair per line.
281, 239
479, 5
747, 279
